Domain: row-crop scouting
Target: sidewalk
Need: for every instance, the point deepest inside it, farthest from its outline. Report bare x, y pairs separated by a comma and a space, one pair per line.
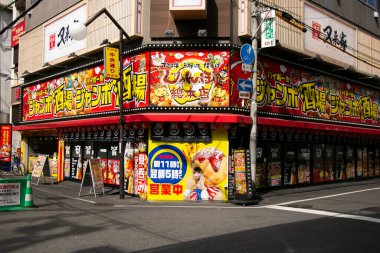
70, 190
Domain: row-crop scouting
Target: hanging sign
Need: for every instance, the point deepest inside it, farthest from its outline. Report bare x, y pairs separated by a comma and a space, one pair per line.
111, 63
268, 29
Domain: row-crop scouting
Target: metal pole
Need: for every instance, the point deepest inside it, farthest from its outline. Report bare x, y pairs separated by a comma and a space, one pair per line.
253, 114
121, 100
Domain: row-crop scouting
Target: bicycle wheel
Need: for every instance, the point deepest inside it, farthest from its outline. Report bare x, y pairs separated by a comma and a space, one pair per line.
19, 169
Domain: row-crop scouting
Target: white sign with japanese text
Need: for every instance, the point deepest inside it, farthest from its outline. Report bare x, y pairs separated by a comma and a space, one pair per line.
10, 194
58, 42
268, 29
335, 32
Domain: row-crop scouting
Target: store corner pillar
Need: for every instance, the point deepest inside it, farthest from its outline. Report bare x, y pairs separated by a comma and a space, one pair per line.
78, 32
253, 114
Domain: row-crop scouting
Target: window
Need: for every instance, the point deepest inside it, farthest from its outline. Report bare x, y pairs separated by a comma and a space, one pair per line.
371, 3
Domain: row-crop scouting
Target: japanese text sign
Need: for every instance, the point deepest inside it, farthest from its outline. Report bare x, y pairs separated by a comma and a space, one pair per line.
111, 63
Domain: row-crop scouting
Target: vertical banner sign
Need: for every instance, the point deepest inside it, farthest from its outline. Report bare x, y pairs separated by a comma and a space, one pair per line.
5, 142
268, 29
17, 30
111, 63
243, 184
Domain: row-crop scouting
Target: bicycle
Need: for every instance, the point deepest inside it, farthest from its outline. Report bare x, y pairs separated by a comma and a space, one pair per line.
16, 166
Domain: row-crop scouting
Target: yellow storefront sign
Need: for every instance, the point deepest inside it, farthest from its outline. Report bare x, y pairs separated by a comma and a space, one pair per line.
111, 63
189, 170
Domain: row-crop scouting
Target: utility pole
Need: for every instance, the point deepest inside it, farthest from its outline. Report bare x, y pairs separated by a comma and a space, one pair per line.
253, 114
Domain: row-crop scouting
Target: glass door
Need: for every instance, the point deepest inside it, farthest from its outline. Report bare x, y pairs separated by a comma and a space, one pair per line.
350, 162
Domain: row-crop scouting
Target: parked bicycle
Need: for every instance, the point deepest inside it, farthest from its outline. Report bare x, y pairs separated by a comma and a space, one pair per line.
16, 166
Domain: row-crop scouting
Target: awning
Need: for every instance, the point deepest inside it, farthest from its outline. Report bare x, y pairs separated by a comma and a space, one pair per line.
316, 126
139, 118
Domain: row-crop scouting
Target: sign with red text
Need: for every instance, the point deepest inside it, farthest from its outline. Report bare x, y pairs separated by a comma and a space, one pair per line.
87, 91
289, 90
5, 142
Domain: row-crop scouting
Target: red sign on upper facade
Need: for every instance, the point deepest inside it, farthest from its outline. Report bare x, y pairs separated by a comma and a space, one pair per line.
87, 91
288, 90
16, 32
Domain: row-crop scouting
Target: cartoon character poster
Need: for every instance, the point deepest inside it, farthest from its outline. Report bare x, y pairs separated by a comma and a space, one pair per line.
190, 78
189, 170
87, 91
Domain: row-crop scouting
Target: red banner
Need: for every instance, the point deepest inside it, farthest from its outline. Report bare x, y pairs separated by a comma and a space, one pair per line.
288, 90
87, 91
190, 78
17, 30
5, 143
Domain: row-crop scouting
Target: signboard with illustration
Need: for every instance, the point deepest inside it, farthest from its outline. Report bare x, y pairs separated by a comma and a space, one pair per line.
285, 89
5, 142
189, 170
189, 78
87, 91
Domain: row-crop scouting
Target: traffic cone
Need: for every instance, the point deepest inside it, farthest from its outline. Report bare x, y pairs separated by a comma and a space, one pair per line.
28, 192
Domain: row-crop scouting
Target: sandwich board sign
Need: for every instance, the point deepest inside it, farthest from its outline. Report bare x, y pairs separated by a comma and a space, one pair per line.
42, 168
92, 176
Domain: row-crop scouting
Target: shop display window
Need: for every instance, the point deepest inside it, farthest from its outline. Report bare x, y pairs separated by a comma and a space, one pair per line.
340, 169
377, 162
329, 162
290, 164
371, 162
318, 163
274, 164
350, 162
303, 170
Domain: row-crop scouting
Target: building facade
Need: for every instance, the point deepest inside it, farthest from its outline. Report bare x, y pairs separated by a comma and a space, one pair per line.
187, 95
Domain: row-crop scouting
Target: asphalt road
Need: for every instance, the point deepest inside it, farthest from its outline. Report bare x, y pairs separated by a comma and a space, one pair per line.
342, 217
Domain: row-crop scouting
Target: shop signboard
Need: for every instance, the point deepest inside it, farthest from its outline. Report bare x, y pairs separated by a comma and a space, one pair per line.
189, 170
17, 31
92, 176
274, 164
242, 168
57, 40
87, 92
5, 142
42, 168
291, 90
113, 165
190, 78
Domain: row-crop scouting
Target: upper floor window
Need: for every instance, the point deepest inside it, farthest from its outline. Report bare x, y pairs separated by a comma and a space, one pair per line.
371, 3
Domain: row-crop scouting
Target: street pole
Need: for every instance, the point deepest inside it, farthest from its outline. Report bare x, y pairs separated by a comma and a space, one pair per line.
121, 133
76, 32
253, 114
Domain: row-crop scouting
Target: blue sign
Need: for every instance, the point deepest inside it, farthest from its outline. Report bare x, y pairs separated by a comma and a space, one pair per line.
245, 85
247, 54
167, 165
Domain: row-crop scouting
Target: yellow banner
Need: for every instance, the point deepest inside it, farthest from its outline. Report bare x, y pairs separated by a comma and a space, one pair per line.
111, 63
189, 171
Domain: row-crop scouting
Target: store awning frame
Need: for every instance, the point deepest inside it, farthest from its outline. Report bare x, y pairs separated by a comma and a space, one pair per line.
140, 118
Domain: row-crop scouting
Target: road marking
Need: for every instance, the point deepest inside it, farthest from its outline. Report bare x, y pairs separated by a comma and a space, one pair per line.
65, 196
324, 213
327, 196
